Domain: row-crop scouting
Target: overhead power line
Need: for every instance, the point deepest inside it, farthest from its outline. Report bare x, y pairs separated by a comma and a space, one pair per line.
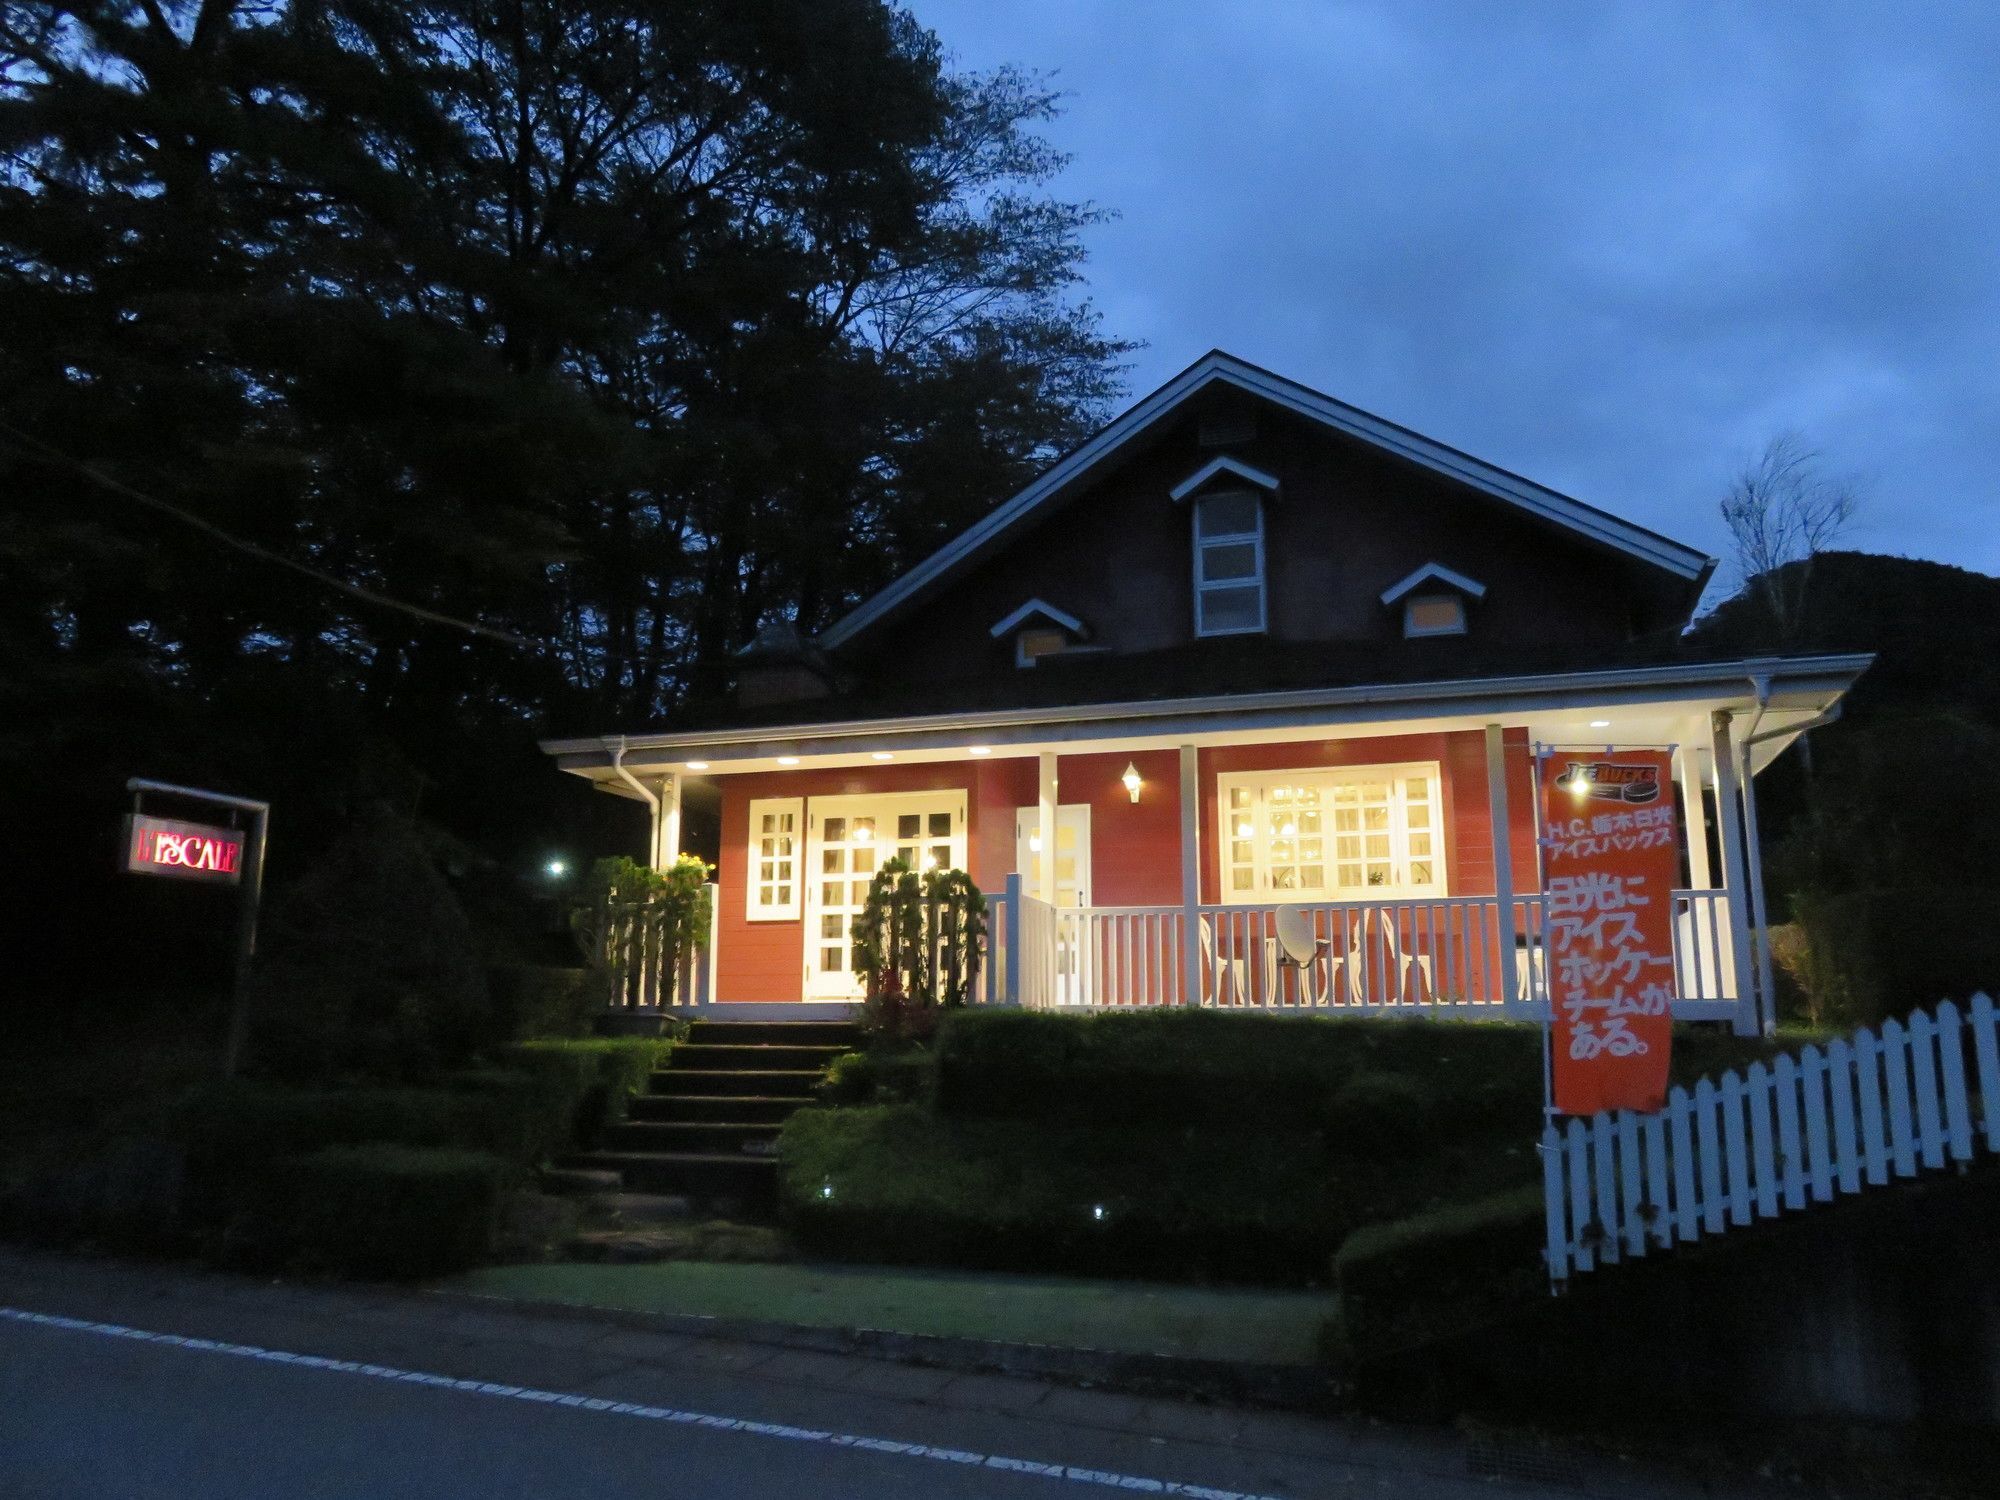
35, 447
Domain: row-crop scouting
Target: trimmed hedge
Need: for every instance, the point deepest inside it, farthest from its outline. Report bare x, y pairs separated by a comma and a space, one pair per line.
1187, 1067
390, 1212
879, 1077
1410, 1279
552, 1097
582, 1085
1193, 1205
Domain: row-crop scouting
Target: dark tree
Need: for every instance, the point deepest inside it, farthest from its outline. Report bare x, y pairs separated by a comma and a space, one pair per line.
617, 329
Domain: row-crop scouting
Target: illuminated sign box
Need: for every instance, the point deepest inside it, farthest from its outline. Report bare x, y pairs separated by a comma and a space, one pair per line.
183, 851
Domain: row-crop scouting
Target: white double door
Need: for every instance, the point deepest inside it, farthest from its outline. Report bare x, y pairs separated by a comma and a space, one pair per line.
847, 840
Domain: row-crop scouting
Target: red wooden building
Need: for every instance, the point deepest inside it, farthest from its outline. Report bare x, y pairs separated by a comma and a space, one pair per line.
1247, 649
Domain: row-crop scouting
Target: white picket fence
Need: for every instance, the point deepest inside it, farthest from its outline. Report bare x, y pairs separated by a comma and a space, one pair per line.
1804, 1130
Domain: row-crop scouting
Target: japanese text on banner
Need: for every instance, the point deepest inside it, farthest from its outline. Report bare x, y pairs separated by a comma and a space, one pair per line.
1610, 859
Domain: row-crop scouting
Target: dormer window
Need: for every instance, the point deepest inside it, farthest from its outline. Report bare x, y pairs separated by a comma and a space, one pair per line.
1229, 563
1433, 600
1228, 503
1433, 614
1040, 630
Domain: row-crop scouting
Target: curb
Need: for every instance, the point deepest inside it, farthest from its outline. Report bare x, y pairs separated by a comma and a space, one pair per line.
1288, 1387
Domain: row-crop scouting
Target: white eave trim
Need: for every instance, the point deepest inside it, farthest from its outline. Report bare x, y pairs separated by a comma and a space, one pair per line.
1046, 611
1837, 673
1223, 465
1471, 588
1623, 536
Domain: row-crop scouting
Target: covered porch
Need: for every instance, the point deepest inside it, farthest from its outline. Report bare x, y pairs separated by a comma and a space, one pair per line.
1141, 855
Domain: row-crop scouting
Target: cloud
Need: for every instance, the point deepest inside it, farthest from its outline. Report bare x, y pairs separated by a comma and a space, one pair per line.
1613, 247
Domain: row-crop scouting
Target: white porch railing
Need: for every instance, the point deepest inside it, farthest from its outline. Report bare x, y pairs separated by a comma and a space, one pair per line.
1441, 956
643, 973
1807, 1129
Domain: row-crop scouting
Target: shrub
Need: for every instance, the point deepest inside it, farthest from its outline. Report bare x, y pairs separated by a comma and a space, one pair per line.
369, 966
1450, 1267
545, 1000
1868, 955
583, 1085
1186, 1067
394, 1212
630, 912
878, 1077
1382, 1114
1201, 1205
916, 944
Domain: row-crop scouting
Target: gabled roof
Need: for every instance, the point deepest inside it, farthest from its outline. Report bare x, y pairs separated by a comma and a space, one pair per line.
1441, 574
1234, 467
1216, 368
1038, 609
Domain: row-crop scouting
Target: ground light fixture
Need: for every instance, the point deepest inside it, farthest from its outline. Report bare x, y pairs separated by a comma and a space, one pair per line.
1132, 780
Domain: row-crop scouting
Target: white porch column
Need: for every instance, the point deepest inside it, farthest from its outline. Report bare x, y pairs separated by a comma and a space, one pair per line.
1700, 876
1503, 863
1735, 874
667, 823
1190, 877
1045, 825
1760, 913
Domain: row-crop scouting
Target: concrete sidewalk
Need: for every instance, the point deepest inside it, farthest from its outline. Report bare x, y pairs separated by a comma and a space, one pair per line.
1240, 1451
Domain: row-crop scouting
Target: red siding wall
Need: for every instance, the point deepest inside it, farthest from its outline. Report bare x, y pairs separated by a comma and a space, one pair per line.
766, 960
1135, 847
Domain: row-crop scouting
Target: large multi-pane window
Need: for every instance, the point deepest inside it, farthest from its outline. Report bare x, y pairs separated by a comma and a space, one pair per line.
1228, 563
1351, 833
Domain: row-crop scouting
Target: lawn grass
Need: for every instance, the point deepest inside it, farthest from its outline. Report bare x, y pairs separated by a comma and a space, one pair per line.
1281, 1328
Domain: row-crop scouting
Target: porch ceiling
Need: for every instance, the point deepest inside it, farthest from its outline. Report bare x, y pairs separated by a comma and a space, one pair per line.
1652, 706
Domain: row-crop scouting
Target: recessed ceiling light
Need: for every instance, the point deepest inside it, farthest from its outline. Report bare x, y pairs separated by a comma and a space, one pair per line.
982, 749
788, 760
881, 755
697, 765
1600, 723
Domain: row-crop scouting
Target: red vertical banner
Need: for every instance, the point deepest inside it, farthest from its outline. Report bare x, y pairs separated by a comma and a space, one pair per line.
1610, 860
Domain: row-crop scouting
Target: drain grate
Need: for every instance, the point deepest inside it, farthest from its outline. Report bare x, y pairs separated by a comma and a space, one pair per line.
1494, 1458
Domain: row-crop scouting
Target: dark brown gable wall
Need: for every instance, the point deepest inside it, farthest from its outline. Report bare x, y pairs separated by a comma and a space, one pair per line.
1347, 523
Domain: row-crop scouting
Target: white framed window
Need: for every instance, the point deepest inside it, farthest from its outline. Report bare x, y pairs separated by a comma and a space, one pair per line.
1433, 614
1030, 646
1229, 563
1334, 833
776, 824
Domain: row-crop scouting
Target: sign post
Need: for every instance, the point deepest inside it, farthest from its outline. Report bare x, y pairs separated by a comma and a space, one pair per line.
214, 854
1610, 861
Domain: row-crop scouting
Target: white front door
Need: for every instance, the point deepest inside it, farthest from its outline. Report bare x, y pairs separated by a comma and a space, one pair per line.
847, 840
1072, 855
1072, 852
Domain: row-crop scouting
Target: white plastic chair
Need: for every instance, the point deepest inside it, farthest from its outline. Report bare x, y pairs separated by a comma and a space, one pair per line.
1235, 970
1299, 948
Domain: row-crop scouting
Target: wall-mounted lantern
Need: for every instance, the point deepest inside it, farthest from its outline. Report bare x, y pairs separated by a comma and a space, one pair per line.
1131, 780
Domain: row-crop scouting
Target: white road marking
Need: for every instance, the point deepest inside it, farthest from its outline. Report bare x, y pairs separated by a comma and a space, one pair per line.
1070, 1472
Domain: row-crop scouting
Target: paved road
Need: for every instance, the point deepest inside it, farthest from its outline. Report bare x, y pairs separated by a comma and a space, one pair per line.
95, 1402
